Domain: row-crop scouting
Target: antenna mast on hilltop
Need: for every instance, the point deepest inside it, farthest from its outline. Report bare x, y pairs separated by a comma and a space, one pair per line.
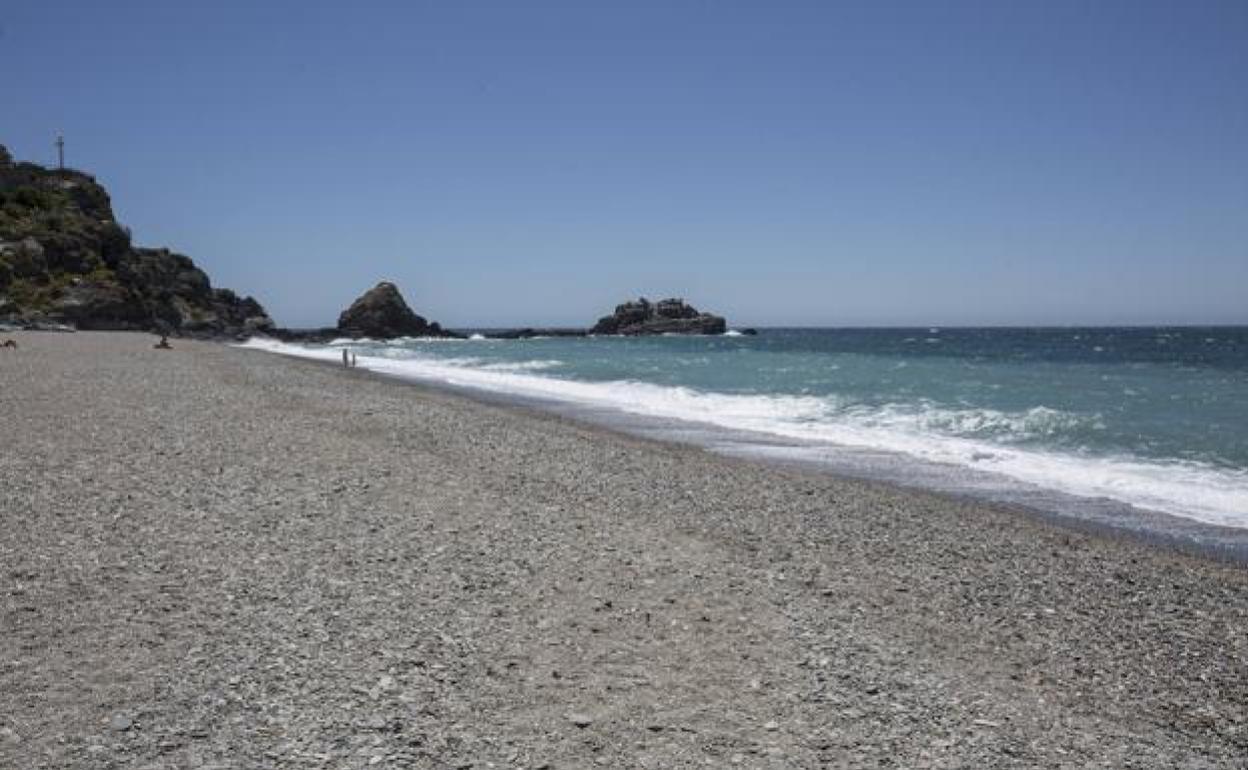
60, 151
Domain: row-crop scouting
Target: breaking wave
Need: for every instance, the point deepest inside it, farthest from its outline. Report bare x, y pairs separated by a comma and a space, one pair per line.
987, 440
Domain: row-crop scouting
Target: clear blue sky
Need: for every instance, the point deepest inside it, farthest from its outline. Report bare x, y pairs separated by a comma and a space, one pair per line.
780, 162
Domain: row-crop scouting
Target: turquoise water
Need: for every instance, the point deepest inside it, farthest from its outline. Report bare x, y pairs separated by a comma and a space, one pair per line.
1151, 417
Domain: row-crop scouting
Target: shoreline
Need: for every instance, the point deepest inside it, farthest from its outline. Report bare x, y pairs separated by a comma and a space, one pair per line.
1169, 532
1098, 516
219, 556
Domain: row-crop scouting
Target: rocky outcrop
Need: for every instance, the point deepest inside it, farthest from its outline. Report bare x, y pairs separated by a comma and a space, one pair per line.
65, 259
668, 316
528, 333
90, 303
381, 312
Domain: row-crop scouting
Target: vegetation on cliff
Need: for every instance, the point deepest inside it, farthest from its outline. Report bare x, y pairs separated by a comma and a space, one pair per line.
65, 259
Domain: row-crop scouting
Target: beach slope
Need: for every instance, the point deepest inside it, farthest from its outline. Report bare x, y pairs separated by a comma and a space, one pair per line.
216, 557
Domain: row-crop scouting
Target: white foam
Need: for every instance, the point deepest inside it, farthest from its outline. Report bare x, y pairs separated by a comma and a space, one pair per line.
954, 437
733, 333
521, 366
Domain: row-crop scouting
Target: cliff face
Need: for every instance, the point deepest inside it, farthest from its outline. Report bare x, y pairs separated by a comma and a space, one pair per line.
65, 259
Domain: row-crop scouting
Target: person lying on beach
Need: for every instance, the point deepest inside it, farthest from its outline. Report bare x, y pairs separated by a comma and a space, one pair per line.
9, 344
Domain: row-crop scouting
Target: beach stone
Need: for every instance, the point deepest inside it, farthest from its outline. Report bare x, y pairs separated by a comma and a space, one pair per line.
120, 723
580, 720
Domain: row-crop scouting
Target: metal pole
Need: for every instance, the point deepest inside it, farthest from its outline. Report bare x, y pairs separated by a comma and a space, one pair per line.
60, 151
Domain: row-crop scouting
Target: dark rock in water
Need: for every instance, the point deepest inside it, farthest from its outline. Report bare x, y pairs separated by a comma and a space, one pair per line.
381, 312
750, 332
529, 333
64, 259
668, 316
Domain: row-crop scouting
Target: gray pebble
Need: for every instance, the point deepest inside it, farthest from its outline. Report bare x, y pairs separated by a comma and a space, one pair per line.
580, 720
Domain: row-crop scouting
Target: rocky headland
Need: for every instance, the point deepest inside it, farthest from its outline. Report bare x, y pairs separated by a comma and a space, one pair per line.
379, 313
66, 262
667, 316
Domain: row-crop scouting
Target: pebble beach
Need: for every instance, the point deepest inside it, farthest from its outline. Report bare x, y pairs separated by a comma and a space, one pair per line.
221, 558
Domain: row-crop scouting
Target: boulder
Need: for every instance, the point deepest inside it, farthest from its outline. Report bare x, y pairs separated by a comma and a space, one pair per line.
381, 312
668, 316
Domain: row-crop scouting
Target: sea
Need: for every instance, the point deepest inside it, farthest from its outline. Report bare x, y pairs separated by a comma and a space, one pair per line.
1139, 429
